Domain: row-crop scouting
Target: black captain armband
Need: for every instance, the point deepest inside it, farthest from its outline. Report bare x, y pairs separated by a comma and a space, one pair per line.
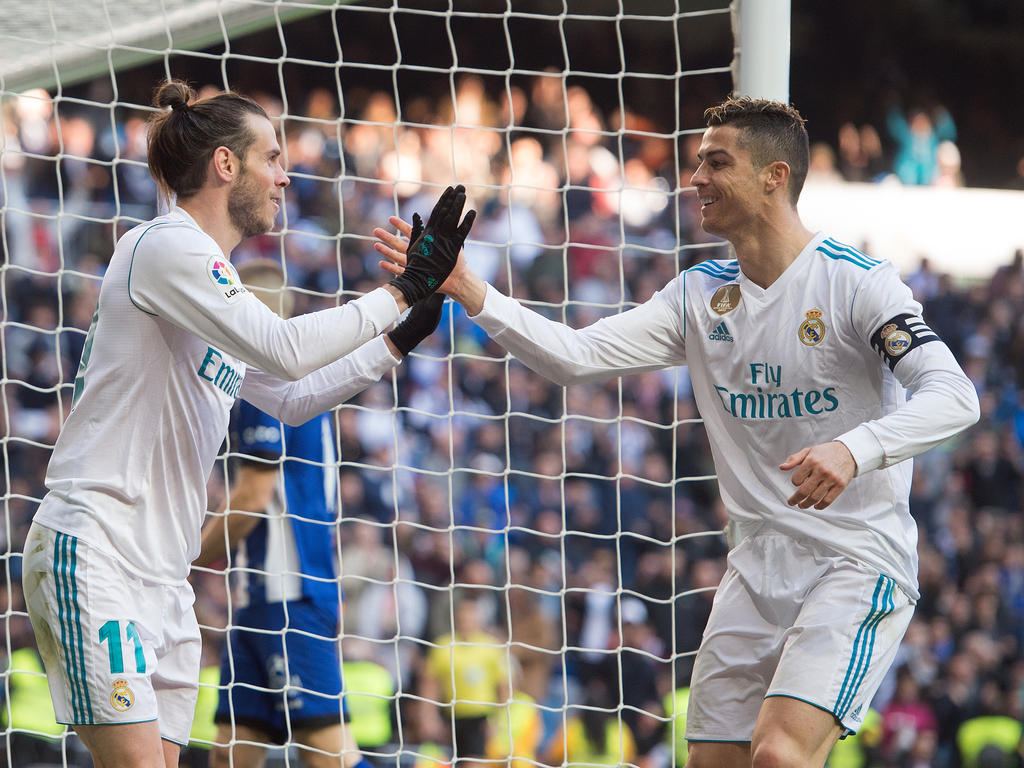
899, 335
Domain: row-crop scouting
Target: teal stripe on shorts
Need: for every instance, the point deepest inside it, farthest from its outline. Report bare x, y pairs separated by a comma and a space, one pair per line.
863, 645
65, 564
78, 626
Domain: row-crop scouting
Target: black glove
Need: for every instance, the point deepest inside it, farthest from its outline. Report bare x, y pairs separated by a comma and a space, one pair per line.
433, 252
418, 324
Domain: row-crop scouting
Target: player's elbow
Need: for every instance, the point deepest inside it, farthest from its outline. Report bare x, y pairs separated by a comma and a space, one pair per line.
972, 408
295, 414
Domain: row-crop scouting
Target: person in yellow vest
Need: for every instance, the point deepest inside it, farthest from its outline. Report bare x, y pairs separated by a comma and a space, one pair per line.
28, 712
515, 733
676, 704
856, 750
370, 694
594, 735
466, 670
204, 732
990, 738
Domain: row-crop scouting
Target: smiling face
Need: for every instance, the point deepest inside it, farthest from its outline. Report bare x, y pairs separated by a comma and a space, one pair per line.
729, 188
257, 191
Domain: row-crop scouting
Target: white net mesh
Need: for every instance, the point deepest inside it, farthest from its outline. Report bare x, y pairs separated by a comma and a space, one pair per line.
585, 519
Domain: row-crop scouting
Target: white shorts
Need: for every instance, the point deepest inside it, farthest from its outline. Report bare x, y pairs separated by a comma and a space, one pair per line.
116, 648
791, 618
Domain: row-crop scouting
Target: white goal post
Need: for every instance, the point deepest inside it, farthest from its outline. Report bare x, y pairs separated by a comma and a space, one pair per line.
586, 518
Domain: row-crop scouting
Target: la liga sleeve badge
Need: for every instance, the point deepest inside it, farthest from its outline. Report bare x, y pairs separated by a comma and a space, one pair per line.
223, 275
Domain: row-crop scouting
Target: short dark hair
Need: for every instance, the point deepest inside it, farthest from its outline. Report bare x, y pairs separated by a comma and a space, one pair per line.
185, 132
769, 131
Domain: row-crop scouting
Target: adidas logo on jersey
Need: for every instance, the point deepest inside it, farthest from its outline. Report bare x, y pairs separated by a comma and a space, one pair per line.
721, 333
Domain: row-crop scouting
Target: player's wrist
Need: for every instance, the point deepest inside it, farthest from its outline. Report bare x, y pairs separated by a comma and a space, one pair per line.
398, 295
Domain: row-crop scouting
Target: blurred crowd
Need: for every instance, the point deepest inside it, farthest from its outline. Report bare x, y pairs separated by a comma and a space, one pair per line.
579, 528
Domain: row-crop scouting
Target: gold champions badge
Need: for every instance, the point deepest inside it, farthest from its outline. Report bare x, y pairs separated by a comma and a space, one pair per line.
812, 330
726, 299
121, 698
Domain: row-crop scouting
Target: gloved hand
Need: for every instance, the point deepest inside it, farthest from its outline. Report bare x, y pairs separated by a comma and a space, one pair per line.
418, 324
434, 250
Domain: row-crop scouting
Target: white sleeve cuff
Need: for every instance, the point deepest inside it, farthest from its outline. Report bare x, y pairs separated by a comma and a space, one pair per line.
374, 358
867, 451
380, 307
493, 317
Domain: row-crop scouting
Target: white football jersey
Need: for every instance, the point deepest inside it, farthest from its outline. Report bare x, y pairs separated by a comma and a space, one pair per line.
168, 352
826, 352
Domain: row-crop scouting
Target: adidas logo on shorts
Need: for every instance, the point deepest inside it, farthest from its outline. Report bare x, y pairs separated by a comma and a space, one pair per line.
721, 333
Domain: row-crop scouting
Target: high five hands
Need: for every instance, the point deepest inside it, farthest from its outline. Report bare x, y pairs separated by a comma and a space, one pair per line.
433, 250
461, 283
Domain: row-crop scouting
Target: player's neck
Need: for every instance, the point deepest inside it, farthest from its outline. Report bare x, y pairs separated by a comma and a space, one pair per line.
210, 211
767, 250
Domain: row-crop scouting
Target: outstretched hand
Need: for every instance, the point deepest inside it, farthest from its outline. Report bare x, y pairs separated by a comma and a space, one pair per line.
433, 251
394, 246
822, 473
463, 285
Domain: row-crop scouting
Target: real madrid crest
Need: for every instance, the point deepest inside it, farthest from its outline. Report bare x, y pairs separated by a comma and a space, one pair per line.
896, 342
121, 698
812, 330
726, 299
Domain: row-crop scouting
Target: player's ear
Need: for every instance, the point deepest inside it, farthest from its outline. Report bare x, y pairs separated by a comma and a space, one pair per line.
224, 164
776, 175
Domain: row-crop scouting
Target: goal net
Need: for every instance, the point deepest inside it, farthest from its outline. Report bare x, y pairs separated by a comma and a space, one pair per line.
581, 523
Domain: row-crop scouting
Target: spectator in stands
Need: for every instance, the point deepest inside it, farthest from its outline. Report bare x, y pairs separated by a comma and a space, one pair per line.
917, 136
593, 733
860, 156
465, 681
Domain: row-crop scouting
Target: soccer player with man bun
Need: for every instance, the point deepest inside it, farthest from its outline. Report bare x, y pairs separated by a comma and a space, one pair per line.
801, 351
280, 676
176, 338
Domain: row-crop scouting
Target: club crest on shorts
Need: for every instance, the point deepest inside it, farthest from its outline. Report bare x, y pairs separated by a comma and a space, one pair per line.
812, 330
896, 342
726, 299
223, 276
121, 697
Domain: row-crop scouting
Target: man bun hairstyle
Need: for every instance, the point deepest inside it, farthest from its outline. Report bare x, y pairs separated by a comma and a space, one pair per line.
185, 131
769, 131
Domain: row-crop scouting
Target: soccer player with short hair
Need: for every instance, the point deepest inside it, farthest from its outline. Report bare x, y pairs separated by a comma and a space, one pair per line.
801, 351
176, 338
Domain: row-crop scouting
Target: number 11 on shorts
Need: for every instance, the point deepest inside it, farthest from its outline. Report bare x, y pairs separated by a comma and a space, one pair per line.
110, 633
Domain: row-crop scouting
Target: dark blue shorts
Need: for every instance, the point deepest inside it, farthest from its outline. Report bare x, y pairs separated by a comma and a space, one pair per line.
278, 679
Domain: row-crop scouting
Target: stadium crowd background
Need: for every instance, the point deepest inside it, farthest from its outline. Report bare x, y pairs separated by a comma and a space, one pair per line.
591, 547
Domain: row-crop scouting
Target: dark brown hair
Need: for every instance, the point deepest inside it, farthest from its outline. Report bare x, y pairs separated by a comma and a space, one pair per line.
184, 134
769, 131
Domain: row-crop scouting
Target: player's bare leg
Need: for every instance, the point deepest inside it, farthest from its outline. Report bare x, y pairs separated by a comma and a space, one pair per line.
129, 744
794, 733
239, 747
331, 747
718, 754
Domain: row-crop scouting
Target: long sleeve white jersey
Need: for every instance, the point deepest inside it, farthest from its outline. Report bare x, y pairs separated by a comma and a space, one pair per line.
827, 352
169, 350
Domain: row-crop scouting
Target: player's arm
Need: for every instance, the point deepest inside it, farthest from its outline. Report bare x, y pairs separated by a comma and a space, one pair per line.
249, 496
943, 400
645, 338
173, 276
297, 402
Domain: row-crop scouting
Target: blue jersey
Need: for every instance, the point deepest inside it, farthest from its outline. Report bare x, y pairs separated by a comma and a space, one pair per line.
290, 554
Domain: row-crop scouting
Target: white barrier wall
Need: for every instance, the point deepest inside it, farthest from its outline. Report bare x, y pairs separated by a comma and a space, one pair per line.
967, 233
